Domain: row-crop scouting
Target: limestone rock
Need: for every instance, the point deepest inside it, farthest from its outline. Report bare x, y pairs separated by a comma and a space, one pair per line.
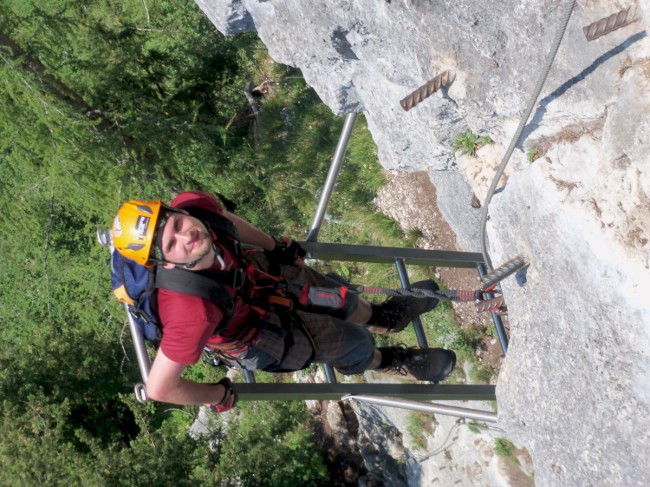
229, 17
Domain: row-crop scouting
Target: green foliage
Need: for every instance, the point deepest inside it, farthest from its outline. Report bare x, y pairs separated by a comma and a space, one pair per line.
149, 83
34, 450
468, 142
277, 180
269, 444
481, 374
442, 328
503, 447
474, 428
531, 155
419, 424
507, 450
491, 330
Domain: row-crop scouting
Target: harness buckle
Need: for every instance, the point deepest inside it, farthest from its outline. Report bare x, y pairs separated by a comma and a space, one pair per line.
229, 308
286, 303
239, 277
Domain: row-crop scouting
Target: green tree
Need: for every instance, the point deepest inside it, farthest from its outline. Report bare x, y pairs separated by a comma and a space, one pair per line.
102, 101
269, 444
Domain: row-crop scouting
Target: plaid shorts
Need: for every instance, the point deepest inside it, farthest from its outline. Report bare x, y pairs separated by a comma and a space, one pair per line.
346, 346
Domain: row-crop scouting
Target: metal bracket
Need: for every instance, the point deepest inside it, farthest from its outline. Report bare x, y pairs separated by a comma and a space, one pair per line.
140, 391
609, 24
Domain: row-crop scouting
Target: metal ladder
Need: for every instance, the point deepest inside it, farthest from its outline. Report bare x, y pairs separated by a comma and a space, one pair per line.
407, 396
398, 256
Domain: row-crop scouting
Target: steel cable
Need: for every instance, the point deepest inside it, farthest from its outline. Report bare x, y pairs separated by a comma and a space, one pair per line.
515, 139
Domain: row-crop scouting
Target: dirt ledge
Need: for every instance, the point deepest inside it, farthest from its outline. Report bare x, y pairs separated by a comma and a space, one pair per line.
410, 199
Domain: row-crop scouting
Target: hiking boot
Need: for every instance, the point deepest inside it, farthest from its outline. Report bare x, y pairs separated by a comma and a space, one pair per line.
430, 364
394, 314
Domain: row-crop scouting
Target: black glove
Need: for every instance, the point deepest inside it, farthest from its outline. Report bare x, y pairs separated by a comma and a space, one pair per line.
229, 398
285, 252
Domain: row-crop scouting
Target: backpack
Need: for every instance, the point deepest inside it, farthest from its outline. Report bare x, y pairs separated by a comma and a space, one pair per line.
135, 285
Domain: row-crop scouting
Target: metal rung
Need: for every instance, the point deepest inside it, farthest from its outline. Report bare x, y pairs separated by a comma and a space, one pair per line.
504, 270
496, 319
417, 322
427, 407
336, 392
387, 255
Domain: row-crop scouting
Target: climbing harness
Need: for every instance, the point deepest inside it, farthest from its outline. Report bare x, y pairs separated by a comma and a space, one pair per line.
488, 298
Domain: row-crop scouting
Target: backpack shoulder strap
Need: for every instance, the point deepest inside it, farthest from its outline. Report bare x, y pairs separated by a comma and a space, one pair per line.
221, 226
194, 283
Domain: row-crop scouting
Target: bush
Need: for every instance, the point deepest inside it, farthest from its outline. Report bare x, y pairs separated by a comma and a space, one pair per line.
418, 425
468, 143
503, 447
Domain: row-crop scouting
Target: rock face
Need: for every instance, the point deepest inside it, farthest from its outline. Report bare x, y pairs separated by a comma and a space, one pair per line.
575, 386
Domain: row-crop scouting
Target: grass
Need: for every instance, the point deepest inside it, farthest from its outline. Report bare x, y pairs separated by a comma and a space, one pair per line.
491, 330
468, 142
288, 160
503, 447
508, 452
532, 155
443, 329
418, 425
482, 374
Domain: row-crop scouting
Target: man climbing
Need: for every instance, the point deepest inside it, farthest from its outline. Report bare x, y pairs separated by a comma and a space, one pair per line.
268, 323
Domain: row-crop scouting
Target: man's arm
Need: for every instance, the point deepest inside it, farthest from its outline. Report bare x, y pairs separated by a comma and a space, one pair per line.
165, 384
290, 252
249, 234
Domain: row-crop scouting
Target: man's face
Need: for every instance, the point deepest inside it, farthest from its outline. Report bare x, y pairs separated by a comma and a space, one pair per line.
184, 240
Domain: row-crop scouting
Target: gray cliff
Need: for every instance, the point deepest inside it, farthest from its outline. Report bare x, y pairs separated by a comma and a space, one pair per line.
575, 385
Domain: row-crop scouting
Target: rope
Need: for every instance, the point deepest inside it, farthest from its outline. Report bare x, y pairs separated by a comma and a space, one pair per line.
459, 296
440, 295
515, 139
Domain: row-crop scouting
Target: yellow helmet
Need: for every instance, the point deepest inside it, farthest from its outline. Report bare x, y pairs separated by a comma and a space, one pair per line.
134, 230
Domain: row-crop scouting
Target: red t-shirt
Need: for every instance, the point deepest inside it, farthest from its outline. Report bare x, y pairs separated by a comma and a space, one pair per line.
188, 322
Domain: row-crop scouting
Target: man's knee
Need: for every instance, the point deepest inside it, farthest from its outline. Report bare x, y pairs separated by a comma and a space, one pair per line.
358, 352
361, 313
